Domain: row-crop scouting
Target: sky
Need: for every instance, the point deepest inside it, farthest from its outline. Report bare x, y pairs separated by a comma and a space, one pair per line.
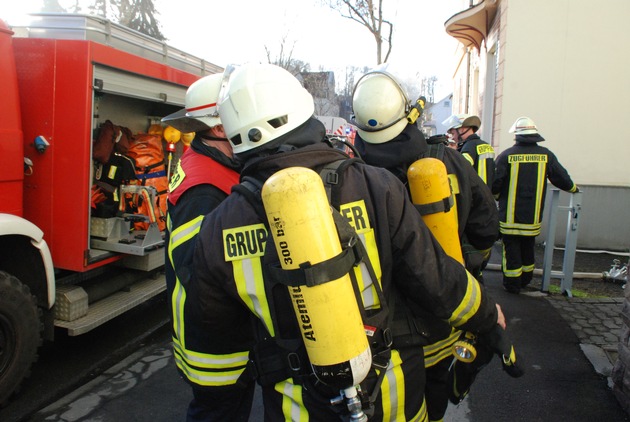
232, 31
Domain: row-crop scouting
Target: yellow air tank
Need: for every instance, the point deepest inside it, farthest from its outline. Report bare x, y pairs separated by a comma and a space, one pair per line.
303, 231
429, 186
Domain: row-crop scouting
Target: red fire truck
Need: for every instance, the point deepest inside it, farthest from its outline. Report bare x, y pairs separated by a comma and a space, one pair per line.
62, 76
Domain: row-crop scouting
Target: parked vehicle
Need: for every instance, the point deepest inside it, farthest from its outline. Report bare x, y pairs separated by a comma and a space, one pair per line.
63, 77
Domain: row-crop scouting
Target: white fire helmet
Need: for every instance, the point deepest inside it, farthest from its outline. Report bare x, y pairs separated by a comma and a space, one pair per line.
201, 106
456, 121
261, 102
524, 126
380, 106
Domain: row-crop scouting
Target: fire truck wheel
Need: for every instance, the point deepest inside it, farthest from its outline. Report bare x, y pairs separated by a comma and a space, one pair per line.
20, 333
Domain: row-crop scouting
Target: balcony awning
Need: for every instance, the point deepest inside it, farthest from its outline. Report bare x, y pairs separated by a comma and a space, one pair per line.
470, 27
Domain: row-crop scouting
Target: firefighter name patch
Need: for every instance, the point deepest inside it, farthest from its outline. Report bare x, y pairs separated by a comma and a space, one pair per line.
484, 149
527, 158
244, 242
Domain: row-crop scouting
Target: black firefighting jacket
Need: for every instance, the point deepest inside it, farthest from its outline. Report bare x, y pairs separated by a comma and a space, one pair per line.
481, 155
230, 289
202, 180
520, 184
477, 217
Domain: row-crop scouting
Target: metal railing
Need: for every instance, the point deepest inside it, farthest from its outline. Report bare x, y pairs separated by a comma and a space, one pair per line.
568, 262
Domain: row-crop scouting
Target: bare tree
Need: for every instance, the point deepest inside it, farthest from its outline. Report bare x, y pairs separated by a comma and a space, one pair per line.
427, 88
368, 13
284, 57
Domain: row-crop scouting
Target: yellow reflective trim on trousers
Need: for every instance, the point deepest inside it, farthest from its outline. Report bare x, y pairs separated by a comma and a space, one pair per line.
434, 353
292, 402
422, 415
469, 304
208, 378
509, 272
393, 390
212, 361
528, 268
250, 285
540, 187
520, 229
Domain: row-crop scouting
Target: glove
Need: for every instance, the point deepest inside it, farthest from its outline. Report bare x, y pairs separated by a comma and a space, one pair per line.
497, 340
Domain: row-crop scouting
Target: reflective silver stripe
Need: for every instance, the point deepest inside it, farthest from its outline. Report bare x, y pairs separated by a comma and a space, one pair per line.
208, 378
207, 360
178, 299
185, 232
469, 304
292, 402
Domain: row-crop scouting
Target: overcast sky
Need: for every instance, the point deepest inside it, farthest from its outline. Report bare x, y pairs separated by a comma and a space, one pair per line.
233, 31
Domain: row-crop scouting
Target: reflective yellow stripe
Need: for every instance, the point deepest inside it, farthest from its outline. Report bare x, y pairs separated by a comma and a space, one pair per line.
540, 187
455, 188
227, 361
177, 237
520, 229
178, 299
292, 401
436, 352
368, 292
509, 272
422, 415
250, 284
393, 390
356, 213
481, 170
511, 200
184, 233
208, 378
469, 158
528, 268
469, 304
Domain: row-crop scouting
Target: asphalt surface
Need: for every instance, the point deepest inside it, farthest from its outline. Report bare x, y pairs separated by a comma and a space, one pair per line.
567, 347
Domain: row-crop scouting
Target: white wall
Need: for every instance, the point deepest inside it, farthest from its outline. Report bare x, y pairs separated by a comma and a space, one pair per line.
567, 67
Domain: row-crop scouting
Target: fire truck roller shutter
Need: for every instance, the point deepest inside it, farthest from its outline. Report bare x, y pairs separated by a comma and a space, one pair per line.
127, 84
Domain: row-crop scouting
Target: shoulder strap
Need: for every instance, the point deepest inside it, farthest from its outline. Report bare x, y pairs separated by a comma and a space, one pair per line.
435, 151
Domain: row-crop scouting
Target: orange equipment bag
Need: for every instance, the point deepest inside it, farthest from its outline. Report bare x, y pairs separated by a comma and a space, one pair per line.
147, 151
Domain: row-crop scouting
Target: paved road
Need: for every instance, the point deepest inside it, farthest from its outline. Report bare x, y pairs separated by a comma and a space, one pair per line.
560, 382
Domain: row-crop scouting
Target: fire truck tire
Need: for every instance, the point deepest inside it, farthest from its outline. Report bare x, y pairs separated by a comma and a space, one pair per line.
20, 334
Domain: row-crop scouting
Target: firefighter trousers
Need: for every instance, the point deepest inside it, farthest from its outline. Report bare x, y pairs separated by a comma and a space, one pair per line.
518, 261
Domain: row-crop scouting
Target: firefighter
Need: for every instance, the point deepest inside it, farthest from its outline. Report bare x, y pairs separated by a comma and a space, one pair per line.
520, 186
379, 99
204, 177
463, 129
245, 310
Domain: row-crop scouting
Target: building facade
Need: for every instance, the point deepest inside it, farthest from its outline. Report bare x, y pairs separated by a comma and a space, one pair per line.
555, 62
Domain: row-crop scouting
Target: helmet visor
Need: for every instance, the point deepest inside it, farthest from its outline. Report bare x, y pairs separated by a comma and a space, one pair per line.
181, 121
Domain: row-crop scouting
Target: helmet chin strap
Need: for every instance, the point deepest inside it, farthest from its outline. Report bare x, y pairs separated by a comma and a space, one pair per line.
459, 134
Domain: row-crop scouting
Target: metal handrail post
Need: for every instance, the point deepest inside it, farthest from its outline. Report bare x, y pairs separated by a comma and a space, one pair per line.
551, 216
568, 264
